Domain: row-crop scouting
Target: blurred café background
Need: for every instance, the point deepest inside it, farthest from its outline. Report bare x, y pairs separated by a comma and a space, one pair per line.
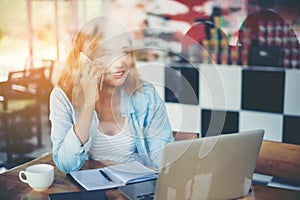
259, 69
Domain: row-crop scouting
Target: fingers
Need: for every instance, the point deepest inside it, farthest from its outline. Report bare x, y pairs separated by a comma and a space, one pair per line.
95, 73
92, 71
88, 65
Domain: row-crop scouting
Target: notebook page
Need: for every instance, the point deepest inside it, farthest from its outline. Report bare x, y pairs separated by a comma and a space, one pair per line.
131, 172
93, 180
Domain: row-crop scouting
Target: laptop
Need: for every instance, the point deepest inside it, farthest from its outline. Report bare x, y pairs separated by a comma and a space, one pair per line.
215, 167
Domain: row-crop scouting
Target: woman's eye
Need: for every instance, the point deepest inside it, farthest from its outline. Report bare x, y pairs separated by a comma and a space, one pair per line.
126, 52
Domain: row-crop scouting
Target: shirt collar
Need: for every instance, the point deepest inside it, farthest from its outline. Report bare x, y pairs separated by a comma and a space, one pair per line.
126, 104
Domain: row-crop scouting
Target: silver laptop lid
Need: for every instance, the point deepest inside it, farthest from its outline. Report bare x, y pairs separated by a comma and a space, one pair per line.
217, 167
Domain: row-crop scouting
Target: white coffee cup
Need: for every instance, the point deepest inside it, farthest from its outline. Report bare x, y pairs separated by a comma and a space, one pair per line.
39, 176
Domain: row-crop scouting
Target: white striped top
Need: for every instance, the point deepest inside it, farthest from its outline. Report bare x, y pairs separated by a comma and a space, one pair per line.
119, 147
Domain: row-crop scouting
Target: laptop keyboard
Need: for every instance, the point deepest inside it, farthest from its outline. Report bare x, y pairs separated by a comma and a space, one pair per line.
149, 196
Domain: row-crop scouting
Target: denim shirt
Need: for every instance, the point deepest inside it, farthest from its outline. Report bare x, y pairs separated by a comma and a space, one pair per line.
147, 118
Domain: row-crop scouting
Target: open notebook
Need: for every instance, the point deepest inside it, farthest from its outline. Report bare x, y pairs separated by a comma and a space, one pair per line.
113, 176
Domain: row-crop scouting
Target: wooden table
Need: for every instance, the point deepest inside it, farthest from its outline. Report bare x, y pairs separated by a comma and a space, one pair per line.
12, 188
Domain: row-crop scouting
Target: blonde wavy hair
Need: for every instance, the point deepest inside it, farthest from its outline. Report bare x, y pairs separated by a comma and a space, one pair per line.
88, 41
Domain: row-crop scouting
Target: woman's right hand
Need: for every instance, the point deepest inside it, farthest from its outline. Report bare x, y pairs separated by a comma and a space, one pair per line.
91, 74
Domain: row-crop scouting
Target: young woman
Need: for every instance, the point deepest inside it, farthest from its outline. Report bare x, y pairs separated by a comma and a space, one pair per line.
100, 108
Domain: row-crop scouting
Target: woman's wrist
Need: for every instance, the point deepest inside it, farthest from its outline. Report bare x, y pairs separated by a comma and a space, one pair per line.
88, 106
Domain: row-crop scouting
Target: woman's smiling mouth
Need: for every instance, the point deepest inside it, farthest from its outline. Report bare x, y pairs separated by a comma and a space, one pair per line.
117, 75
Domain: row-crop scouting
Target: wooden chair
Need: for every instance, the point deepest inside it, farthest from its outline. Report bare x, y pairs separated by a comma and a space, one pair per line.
24, 96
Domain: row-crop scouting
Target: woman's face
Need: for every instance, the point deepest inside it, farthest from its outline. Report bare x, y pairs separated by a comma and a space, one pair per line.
117, 58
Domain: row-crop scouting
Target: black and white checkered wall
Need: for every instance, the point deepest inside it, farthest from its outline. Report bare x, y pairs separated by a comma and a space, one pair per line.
240, 98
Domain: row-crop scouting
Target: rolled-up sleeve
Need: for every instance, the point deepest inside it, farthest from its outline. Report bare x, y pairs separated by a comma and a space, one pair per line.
158, 130
68, 153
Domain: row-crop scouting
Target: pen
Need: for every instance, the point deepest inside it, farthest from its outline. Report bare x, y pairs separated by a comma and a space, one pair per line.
105, 176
